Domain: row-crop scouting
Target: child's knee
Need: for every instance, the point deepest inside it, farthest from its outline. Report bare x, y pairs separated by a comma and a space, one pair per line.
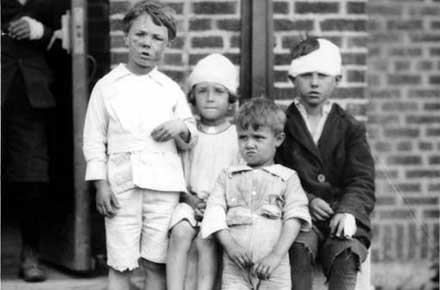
300, 255
182, 233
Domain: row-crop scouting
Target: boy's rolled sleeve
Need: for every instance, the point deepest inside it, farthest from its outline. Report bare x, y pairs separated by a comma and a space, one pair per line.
296, 203
95, 137
182, 112
214, 218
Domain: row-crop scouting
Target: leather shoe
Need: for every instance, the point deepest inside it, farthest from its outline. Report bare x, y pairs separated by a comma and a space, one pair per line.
31, 271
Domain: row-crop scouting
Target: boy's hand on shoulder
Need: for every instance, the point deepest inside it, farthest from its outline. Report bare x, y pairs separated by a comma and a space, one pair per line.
264, 268
320, 209
106, 202
169, 130
199, 209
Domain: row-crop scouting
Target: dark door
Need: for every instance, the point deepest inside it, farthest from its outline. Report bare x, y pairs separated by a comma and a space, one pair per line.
66, 240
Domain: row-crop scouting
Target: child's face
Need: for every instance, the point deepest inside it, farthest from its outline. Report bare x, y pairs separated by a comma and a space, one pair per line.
257, 147
315, 88
212, 101
146, 43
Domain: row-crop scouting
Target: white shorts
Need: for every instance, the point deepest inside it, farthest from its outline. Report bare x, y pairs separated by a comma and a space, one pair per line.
139, 228
183, 211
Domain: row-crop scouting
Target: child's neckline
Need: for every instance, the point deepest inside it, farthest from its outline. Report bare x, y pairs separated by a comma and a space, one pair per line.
213, 130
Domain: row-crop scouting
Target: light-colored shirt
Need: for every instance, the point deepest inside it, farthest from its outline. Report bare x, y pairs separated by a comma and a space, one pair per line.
211, 154
241, 193
316, 134
123, 110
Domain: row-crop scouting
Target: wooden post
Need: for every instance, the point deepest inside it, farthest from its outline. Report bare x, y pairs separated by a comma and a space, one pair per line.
256, 69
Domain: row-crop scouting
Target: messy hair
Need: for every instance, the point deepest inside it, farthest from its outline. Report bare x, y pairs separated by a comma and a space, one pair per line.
305, 47
159, 12
261, 112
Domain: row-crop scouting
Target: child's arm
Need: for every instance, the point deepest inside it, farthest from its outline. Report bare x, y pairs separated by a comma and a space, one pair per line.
106, 202
237, 253
265, 266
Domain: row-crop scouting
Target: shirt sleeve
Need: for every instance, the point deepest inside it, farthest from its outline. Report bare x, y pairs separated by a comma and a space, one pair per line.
296, 203
214, 218
95, 136
182, 112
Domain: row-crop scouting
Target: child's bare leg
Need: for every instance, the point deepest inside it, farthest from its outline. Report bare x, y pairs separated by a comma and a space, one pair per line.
118, 280
208, 263
181, 238
154, 275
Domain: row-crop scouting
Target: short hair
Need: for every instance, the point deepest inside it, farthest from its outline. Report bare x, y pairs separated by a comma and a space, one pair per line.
261, 112
192, 98
305, 47
159, 12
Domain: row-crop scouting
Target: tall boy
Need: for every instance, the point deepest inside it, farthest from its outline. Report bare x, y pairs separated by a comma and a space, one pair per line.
329, 150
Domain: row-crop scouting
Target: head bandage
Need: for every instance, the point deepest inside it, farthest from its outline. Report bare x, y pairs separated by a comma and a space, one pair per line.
217, 69
326, 60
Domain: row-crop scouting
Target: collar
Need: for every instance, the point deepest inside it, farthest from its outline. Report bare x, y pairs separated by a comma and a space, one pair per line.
325, 109
275, 169
122, 71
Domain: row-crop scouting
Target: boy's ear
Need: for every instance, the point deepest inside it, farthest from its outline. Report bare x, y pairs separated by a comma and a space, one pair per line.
280, 139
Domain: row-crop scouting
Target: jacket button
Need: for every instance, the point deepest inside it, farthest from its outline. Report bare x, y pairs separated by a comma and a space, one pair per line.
321, 178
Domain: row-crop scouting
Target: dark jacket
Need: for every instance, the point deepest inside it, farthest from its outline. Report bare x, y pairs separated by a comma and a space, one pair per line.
340, 170
27, 57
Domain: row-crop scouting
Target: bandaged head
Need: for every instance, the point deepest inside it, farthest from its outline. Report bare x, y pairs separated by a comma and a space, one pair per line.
326, 60
217, 69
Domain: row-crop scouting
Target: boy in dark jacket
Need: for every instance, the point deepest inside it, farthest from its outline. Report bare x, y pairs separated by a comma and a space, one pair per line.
329, 150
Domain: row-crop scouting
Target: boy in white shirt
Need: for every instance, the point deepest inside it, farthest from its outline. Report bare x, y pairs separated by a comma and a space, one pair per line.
136, 121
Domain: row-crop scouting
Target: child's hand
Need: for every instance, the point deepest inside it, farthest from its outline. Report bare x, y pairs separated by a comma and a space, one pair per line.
199, 210
169, 130
239, 255
264, 268
320, 210
337, 226
19, 29
106, 202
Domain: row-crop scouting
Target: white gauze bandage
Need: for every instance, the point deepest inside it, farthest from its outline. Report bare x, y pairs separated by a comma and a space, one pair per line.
217, 69
326, 60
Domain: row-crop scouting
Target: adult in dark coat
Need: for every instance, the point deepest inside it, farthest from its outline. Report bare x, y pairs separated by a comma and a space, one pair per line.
328, 148
26, 102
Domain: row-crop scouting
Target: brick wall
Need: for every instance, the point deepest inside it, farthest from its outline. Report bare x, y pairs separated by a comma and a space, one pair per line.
404, 127
391, 80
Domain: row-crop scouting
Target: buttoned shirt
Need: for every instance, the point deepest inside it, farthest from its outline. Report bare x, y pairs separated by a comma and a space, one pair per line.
123, 110
316, 134
241, 193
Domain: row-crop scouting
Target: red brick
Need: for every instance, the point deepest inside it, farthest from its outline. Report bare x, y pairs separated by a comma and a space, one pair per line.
433, 132
281, 7
382, 147
357, 41
236, 41
173, 58
207, 42
408, 188
399, 106
434, 80
350, 93
386, 174
403, 79
434, 187
423, 119
289, 25
401, 214
357, 109
434, 160
402, 132
177, 43
233, 57
177, 7
290, 41
194, 58
355, 76
356, 8
425, 146
435, 51
354, 58
423, 173
316, 7
402, 65
282, 59
229, 24
119, 57
200, 24
405, 25
343, 25
176, 75
117, 41
404, 146
406, 51
404, 160
421, 200
424, 93
214, 7
385, 94
385, 200
425, 37
384, 10
435, 25
119, 7
280, 76
386, 37
424, 65
431, 106
115, 25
